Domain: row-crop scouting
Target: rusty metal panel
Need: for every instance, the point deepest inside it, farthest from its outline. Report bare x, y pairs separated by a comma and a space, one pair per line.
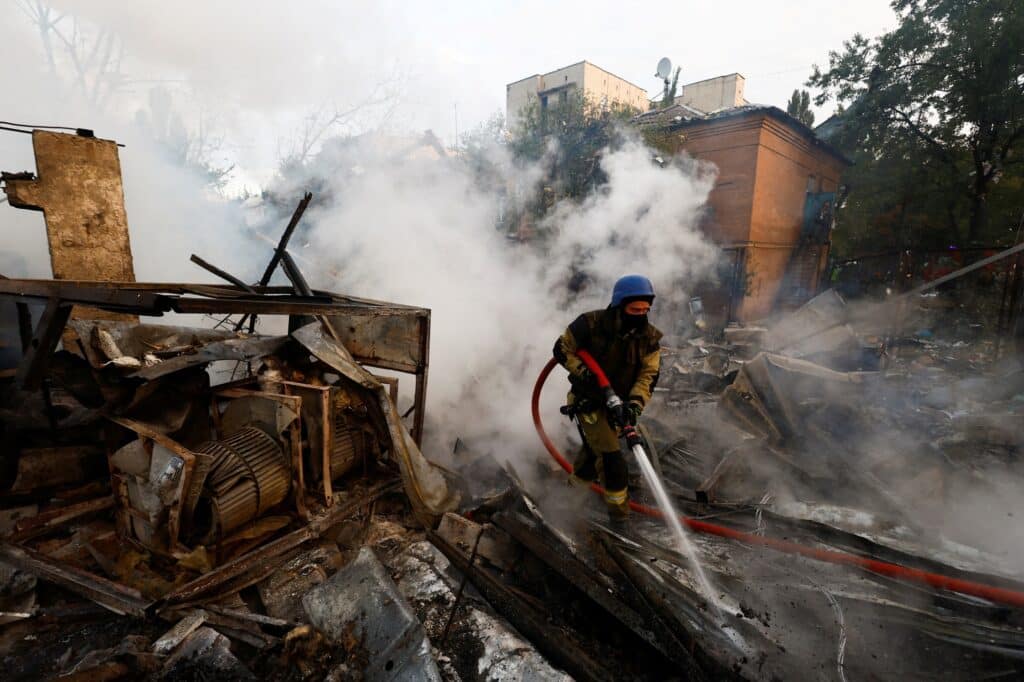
392, 340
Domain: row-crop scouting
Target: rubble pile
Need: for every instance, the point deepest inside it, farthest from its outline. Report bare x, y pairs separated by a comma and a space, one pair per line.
208, 503
869, 443
188, 502
135, 482
159, 524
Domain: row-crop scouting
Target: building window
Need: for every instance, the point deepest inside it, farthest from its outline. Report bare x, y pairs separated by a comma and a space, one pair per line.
810, 183
543, 101
563, 97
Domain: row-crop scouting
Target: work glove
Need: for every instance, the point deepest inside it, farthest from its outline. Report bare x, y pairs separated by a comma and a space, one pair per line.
633, 412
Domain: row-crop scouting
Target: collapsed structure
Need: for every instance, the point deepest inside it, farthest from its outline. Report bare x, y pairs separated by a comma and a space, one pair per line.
210, 502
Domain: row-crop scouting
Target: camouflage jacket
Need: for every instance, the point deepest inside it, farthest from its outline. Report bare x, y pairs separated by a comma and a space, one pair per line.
631, 360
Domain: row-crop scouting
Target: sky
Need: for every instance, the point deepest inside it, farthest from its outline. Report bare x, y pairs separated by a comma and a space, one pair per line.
253, 70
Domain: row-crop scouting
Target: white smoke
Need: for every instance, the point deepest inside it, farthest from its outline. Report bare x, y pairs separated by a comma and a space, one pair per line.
421, 232
171, 213
413, 228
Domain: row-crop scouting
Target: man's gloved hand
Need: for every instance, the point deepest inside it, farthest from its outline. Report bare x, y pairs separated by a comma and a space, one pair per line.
634, 409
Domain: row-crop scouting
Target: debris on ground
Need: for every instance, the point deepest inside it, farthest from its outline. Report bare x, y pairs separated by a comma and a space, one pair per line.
215, 503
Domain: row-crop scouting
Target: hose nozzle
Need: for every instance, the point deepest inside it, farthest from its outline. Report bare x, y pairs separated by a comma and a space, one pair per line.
616, 408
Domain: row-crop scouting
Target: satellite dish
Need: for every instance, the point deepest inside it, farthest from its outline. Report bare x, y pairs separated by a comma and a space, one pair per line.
664, 68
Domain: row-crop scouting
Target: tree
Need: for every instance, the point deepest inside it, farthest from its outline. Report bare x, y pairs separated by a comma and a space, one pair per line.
946, 83
569, 136
88, 59
372, 112
799, 107
194, 149
94, 54
483, 151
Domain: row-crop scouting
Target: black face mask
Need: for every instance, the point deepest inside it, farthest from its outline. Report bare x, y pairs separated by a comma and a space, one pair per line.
632, 322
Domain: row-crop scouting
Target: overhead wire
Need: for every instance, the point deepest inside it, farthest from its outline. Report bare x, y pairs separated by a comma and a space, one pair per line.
39, 127
27, 128
15, 130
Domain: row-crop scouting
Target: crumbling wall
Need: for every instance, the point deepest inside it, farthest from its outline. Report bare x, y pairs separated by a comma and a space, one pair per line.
78, 188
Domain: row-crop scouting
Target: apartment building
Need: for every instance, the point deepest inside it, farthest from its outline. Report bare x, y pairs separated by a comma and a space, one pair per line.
595, 83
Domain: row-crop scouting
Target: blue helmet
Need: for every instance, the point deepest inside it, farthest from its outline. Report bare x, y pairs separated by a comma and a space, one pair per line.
632, 286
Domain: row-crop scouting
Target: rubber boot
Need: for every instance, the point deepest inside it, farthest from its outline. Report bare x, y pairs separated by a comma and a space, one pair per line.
617, 502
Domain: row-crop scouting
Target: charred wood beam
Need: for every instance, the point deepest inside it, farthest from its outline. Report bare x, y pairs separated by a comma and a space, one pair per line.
253, 617
292, 305
294, 275
156, 298
43, 496
658, 603
285, 238
53, 519
234, 585
44, 341
706, 491
420, 394
278, 254
113, 596
69, 613
556, 644
223, 274
583, 578
24, 324
113, 296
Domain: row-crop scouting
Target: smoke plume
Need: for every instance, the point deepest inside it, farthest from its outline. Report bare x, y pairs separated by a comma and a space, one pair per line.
420, 231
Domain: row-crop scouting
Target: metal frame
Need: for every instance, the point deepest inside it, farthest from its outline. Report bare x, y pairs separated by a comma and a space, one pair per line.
321, 399
176, 513
323, 402
237, 390
155, 299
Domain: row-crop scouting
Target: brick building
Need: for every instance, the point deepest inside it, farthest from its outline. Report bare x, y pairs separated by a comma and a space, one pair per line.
772, 204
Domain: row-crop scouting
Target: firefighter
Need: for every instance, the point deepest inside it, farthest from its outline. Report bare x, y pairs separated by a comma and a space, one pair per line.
627, 348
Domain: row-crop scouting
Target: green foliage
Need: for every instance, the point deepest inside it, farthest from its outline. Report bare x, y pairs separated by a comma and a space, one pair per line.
935, 121
481, 149
799, 107
568, 136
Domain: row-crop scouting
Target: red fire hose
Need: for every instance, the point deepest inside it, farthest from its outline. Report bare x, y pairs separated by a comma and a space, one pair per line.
903, 573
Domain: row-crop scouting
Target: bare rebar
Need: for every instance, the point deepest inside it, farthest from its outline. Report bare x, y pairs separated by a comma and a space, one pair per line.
462, 586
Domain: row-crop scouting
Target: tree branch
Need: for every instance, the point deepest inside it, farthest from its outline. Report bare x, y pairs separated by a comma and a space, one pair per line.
1005, 149
916, 129
25, 7
930, 65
